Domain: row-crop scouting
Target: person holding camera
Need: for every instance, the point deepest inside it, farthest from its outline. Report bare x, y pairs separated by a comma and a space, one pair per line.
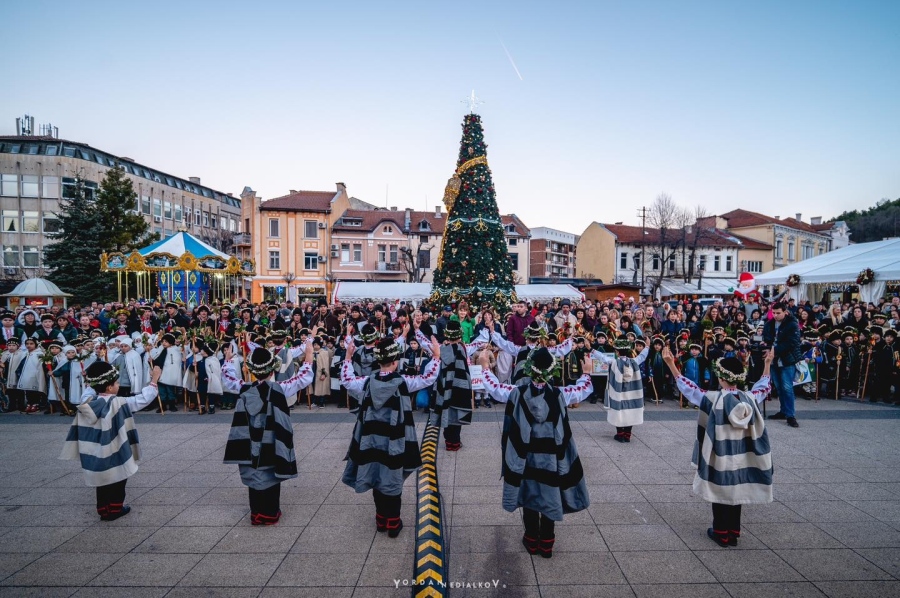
782, 334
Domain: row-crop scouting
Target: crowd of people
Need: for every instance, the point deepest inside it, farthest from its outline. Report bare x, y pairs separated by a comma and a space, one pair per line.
383, 360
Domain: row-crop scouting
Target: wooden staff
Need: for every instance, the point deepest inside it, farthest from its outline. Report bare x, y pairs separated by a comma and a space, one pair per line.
655, 394
62, 401
866, 376
837, 375
817, 379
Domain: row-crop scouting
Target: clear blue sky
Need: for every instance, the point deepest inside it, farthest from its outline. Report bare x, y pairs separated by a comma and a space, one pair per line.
781, 107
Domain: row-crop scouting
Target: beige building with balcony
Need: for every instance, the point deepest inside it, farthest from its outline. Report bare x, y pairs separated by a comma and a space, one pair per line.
289, 237
36, 171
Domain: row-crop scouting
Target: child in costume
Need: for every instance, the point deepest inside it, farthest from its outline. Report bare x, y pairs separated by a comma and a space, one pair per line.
103, 436
261, 440
542, 472
384, 449
731, 453
625, 392
167, 356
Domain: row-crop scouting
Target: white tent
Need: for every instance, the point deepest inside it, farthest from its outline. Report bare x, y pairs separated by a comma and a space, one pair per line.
842, 266
419, 291
41, 292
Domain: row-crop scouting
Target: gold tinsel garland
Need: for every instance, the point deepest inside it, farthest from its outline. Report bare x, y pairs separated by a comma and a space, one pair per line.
451, 192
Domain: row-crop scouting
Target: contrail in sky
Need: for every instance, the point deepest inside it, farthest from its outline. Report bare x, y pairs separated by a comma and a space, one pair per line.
511, 61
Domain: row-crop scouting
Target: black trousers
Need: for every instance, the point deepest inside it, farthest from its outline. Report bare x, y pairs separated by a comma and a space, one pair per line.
452, 433
16, 399
626, 429
726, 517
387, 505
537, 526
111, 495
267, 502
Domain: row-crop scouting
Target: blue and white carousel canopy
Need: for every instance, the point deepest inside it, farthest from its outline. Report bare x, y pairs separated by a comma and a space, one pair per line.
181, 243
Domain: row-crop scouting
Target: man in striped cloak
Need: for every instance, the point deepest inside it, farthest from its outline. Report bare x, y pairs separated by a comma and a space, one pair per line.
625, 390
261, 440
542, 472
454, 388
384, 449
731, 453
104, 438
535, 336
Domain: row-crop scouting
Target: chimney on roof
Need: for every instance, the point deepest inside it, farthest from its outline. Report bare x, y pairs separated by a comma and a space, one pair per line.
777, 217
393, 208
194, 179
617, 223
407, 219
437, 212
293, 191
229, 194
799, 216
341, 187
815, 220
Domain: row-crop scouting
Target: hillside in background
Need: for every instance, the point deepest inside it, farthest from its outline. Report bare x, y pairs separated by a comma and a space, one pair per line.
874, 224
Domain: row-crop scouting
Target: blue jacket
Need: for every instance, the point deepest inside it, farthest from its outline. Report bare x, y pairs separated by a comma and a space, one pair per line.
786, 342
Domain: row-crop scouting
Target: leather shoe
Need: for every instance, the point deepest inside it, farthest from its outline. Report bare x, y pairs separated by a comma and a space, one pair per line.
778, 415
792, 422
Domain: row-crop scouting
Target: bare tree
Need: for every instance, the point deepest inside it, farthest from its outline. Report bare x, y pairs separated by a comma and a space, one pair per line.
218, 238
700, 234
666, 222
416, 263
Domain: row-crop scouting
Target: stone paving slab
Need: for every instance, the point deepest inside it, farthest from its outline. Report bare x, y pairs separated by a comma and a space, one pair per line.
833, 530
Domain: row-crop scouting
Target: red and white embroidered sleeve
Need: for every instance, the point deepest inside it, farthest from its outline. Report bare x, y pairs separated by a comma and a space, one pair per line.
414, 383
692, 392
349, 378
579, 391
499, 392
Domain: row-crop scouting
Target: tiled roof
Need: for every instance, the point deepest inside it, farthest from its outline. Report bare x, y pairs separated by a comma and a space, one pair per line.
711, 237
372, 218
825, 226
301, 201
744, 218
520, 227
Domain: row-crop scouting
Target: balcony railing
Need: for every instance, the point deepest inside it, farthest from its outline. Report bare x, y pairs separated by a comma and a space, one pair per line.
388, 267
242, 239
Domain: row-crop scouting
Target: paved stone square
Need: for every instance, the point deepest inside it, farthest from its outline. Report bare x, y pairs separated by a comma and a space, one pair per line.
833, 530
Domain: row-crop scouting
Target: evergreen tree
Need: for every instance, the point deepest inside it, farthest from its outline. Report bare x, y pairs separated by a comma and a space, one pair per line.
126, 231
473, 264
74, 257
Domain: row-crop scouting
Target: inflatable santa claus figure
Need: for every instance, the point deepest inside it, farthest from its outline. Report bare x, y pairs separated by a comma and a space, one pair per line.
746, 290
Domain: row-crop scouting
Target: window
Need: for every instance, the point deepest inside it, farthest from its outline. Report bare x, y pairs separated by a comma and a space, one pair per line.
754, 267
424, 259
212, 221
90, 189
729, 263
389, 230
11, 256
513, 242
702, 265
821, 249
672, 263
357, 252
717, 263
30, 222
310, 229
50, 187
29, 185
51, 224
345, 252
246, 225
206, 219
274, 260
637, 261
424, 225
52, 150
31, 257
807, 250
393, 254
178, 213
382, 253
656, 261
168, 210
310, 261
623, 260
9, 185
790, 255
273, 227
232, 225
779, 249
157, 207
423, 239
10, 221
196, 217
145, 204
514, 260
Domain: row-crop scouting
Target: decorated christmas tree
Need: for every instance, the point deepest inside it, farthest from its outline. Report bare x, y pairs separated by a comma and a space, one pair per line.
473, 264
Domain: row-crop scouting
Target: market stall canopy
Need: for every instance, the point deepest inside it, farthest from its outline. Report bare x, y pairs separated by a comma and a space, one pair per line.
418, 291
719, 287
35, 291
842, 265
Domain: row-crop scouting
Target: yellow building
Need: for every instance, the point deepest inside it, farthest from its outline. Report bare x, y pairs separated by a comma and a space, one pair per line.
289, 237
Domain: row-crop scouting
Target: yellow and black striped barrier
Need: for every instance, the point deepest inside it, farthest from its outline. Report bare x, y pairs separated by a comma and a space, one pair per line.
430, 571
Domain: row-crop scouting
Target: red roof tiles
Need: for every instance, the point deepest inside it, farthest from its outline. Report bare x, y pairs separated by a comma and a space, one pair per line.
709, 237
745, 218
372, 218
301, 201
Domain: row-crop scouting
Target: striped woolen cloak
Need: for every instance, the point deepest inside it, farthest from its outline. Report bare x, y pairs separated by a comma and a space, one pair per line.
732, 452
384, 449
541, 467
625, 393
103, 437
454, 387
261, 434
